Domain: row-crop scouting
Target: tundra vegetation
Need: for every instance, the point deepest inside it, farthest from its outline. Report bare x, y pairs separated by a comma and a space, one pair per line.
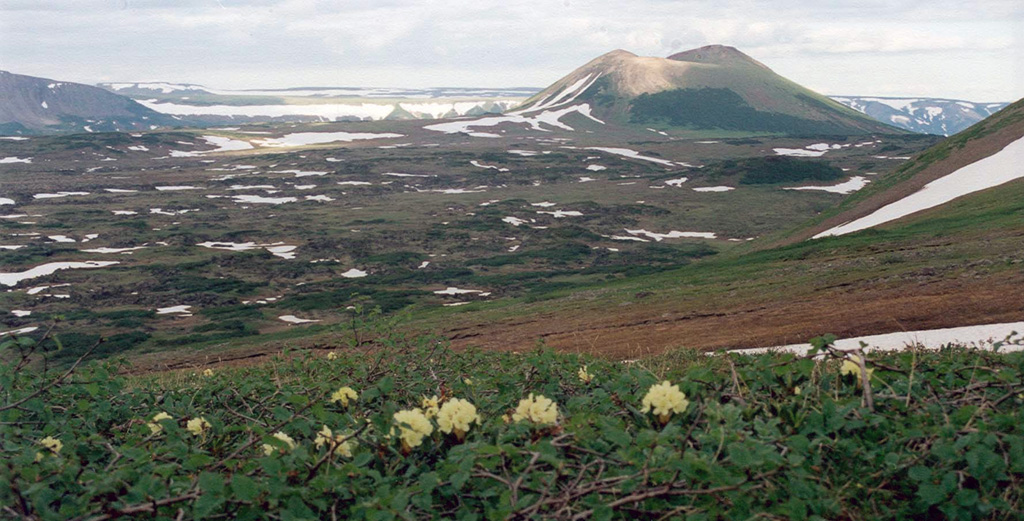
391, 426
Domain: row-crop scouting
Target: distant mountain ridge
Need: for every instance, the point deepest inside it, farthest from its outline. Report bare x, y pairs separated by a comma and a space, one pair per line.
218, 106
713, 87
32, 105
179, 90
939, 116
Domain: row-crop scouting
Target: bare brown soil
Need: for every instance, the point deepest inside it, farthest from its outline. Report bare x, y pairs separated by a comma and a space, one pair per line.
650, 327
659, 327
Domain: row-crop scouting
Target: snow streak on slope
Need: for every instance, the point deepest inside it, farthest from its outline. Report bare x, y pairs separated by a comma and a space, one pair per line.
547, 117
1002, 167
568, 95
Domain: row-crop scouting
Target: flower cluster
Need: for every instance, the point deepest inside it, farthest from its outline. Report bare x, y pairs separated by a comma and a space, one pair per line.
536, 409
287, 440
53, 445
430, 406
154, 423
337, 443
664, 399
584, 376
455, 417
412, 426
852, 366
197, 426
344, 396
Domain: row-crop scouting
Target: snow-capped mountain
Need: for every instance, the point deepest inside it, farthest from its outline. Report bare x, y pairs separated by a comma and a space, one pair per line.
943, 117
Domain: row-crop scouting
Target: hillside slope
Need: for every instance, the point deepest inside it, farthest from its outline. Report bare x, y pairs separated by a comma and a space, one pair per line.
38, 105
942, 117
985, 156
714, 87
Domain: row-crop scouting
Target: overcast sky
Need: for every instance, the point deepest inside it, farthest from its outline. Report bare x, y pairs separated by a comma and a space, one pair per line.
970, 50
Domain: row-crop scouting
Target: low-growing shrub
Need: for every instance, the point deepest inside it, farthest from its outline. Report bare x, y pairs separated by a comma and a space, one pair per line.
406, 428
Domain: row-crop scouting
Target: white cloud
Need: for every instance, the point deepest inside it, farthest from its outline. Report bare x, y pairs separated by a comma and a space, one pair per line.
866, 46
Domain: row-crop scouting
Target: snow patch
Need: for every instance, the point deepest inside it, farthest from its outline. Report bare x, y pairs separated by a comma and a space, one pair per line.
12, 279
999, 168
848, 187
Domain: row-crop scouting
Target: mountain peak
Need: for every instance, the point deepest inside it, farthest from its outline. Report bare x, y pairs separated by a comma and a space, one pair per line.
618, 53
716, 55
715, 87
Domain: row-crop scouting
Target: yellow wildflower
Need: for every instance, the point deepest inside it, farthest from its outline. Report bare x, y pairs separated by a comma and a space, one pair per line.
51, 444
344, 395
455, 416
197, 426
852, 366
536, 409
430, 406
154, 424
269, 449
342, 447
467, 381
332, 356
412, 427
797, 391
208, 373
664, 399
585, 377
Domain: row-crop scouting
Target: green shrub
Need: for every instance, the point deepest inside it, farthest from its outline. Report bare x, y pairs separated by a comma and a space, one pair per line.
773, 436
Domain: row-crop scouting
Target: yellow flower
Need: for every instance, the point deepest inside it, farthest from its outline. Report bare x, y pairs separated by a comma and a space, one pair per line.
852, 366
412, 427
344, 395
536, 409
197, 426
585, 377
797, 391
332, 356
664, 399
154, 424
455, 416
51, 444
208, 373
467, 381
342, 447
269, 449
430, 406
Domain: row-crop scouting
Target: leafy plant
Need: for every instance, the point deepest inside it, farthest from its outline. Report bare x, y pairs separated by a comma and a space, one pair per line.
732, 437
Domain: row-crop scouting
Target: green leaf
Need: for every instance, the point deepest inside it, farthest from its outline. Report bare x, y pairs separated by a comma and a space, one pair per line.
920, 473
459, 479
931, 494
211, 483
244, 487
602, 513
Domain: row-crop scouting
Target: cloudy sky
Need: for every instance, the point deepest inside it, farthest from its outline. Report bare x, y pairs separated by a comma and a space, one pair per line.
941, 48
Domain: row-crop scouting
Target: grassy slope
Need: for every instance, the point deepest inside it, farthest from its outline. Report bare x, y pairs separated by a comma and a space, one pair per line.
977, 237
1009, 121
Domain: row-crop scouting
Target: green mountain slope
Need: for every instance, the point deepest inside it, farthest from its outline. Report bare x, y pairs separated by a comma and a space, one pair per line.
984, 140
